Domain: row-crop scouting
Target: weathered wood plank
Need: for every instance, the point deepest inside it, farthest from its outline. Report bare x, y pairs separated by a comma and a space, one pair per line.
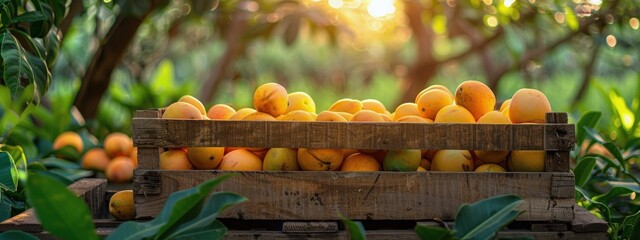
153, 132
367, 195
556, 160
91, 190
587, 222
148, 157
405, 234
309, 227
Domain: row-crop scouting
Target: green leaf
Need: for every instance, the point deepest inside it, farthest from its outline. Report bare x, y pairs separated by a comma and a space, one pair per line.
482, 219
186, 204
631, 227
571, 18
28, 17
582, 171
5, 207
217, 203
17, 154
41, 75
604, 209
18, 74
40, 29
72, 174
614, 192
590, 120
52, 46
8, 172
15, 234
59, 163
355, 228
594, 135
615, 151
433, 233
178, 208
59, 10
215, 230
58, 209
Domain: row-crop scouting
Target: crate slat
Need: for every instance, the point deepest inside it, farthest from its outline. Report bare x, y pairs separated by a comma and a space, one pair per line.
155, 132
367, 195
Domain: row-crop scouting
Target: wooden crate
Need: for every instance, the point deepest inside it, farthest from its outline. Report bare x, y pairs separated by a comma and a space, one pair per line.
319, 196
585, 225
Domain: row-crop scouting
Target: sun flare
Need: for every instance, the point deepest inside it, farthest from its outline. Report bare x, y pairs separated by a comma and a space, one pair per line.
381, 8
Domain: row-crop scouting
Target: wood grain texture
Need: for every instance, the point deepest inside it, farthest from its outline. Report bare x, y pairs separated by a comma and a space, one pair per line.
319, 196
405, 234
587, 222
91, 190
558, 161
155, 132
309, 227
148, 157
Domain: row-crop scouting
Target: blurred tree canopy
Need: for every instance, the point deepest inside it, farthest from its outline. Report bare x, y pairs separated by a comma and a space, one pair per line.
338, 43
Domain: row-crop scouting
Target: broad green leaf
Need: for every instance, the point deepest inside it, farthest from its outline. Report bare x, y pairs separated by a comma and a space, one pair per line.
132, 230
604, 209
186, 204
72, 174
571, 18
482, 219
42, 170
590, 120
215, 230
594, 135
59, 10
615, 192
59, 163
433, 233
630, 185
217, 203
355, 228
631, 227
582, 171
15, 234
19, 74
59, 209
5, 207
41, 75
8, 172
28, 17
626, 116
40, 29
52, 47
615, 151
17, 154
178, 205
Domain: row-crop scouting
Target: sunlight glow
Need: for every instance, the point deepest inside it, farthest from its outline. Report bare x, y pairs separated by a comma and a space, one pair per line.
336, 3
381, 8
633, 196
611, 40
634, 23
508, 3
559, 17
492, 21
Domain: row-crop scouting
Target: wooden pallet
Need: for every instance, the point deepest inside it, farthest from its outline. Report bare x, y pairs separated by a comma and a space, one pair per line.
549, 195
585, 225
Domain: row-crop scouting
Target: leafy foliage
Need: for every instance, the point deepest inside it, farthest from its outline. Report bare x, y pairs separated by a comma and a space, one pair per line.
479, 220
28, 44
58, 209
186, 214
607, 175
